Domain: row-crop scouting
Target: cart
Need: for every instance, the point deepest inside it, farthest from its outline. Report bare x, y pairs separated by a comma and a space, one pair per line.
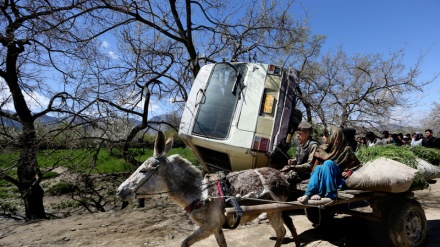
400, 213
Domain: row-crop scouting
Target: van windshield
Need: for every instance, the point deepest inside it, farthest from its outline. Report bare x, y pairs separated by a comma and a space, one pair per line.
215, 114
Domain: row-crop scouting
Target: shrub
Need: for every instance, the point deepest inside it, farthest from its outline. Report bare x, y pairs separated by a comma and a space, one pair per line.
8, 208
62, 188
50, 174
429, 154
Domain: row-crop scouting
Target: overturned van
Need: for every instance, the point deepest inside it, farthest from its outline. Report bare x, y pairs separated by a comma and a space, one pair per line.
240, 115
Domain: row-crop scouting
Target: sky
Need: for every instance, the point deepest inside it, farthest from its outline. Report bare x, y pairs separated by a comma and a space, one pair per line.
381, 26
370, 27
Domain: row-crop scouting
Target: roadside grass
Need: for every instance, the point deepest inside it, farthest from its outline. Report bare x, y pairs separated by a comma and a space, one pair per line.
82, 161
86, 160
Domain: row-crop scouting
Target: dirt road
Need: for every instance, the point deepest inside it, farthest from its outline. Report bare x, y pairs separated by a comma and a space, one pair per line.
161, 223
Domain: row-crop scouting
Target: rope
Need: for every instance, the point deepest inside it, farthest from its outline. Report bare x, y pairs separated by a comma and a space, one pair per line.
226, 198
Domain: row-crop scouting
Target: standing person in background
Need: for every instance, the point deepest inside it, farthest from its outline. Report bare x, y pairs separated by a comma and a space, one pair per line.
396, 140
400, 136
349, 134
372, 139
417, 139
363, 142
386, 138
430, 141
406, 141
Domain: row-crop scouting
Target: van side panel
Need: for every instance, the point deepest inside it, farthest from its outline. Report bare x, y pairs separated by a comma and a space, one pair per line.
254, 83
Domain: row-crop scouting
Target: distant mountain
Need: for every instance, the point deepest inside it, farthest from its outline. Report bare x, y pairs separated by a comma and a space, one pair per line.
159, 118
49, 120
14, 124
9, 123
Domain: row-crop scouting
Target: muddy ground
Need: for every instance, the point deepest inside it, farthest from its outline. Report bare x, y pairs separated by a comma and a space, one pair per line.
161, 223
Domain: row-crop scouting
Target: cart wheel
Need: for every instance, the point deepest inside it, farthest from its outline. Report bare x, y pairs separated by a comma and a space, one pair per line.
319, 216
407, 224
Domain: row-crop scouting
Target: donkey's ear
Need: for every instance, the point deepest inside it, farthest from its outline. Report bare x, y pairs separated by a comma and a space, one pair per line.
169, 143
159, 145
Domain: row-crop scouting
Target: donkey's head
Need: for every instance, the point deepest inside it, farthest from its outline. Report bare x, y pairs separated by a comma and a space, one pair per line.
148, 177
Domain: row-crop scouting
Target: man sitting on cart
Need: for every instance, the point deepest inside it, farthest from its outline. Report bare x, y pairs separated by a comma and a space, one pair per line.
335, 161
300, 167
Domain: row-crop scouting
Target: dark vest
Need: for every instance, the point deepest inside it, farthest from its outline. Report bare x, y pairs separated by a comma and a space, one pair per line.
301, 157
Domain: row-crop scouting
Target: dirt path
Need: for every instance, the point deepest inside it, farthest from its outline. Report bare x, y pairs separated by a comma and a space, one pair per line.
161, 223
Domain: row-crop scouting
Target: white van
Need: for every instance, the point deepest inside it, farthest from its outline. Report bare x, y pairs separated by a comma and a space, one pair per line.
240, 115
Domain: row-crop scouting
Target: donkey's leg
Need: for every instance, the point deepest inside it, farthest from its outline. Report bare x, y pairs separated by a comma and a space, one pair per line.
220, 238
289, 223
276, 222
196, 236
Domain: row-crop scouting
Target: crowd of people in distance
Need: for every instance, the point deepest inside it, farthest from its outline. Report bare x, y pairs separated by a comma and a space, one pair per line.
398, 139
329, 164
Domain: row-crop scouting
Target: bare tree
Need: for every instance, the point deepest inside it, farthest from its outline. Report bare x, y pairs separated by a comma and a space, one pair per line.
432, 119
162, 46
36, 37
359, 90
53, 49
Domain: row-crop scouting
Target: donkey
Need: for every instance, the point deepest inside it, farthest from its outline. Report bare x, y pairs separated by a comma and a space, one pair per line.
200, 196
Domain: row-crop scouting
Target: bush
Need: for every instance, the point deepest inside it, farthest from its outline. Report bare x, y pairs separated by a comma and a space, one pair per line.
62, 188
50, 174
8, 208
65, 204
429, 154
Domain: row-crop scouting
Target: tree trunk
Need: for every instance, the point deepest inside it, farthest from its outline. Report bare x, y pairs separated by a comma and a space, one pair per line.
27, 169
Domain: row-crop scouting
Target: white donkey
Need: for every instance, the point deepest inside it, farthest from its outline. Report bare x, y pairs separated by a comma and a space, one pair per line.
200, 195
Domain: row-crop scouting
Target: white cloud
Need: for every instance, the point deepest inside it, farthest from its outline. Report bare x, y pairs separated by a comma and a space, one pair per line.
113, 55
35, 101
105, 45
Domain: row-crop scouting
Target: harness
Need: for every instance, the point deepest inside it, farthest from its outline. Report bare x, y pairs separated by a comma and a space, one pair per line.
149, 174
224, 188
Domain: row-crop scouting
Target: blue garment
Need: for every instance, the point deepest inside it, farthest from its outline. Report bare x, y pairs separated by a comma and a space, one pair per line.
325, 180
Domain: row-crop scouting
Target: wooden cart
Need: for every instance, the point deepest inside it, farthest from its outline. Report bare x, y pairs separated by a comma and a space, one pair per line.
401, 214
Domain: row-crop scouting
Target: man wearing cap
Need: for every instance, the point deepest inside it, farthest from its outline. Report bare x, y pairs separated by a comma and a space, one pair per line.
406, 141
303, 162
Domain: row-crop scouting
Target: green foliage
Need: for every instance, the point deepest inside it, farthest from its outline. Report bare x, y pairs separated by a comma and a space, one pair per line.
51, 174
185, 153
61, 188
82, 160
65, 204
111, 162
429, 154
7, 190
8, 208
7, 161
401, 154
292, 151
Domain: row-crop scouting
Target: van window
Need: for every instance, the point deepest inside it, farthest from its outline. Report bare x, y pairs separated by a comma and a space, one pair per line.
217, 109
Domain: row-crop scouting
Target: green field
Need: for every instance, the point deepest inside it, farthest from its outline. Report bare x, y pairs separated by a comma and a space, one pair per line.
84, 160
79, 160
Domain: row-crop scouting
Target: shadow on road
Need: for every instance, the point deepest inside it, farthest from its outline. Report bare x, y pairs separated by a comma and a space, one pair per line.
356, 232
